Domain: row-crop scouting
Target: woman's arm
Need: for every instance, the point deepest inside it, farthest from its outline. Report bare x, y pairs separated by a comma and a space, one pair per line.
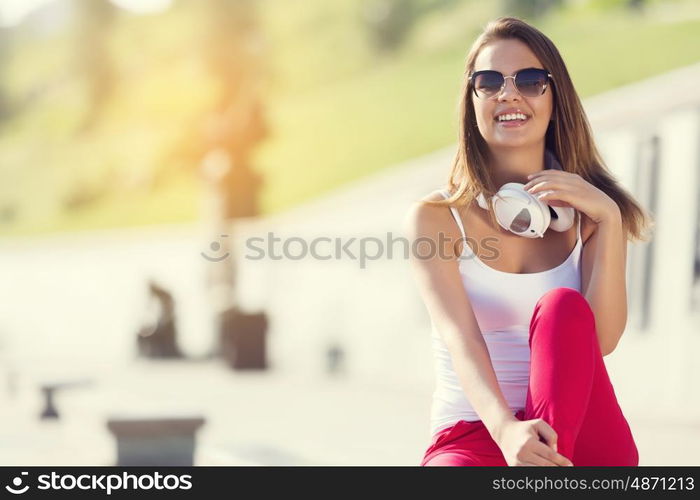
440, 285
604, 281
604, 254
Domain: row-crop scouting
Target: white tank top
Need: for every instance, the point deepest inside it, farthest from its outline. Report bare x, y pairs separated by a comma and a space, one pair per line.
503, 304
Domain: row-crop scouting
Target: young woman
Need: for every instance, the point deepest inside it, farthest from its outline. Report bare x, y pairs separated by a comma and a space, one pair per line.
521, 324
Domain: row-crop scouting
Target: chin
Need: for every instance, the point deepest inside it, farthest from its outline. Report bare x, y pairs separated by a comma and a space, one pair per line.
515, 142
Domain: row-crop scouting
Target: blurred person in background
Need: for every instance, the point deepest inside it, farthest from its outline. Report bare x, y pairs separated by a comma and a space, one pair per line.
157, 336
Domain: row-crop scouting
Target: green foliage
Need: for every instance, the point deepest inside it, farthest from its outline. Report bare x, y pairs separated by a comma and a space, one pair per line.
389, 22
607, 5
529, 9
336, 112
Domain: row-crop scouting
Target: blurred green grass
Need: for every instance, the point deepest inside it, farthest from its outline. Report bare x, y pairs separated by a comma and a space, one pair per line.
329, 124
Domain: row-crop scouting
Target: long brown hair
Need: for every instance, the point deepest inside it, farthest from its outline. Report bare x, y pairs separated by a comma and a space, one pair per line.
568, 135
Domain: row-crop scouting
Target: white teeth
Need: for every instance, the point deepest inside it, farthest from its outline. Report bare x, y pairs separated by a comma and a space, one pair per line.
512, 116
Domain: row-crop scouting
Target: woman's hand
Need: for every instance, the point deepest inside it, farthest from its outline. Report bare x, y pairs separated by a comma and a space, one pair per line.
564, 189
520, 444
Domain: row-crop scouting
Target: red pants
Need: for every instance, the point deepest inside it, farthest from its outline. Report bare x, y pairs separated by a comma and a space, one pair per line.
569, 388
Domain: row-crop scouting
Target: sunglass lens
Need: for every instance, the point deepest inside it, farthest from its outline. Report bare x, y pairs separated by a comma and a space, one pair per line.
488, 83
531, 82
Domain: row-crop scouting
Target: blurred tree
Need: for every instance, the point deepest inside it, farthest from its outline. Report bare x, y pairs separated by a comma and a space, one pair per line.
389, 22
232, 45
233, 49
529, 9
95, 18
634, 6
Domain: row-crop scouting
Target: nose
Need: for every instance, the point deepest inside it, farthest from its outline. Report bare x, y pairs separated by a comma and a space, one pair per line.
509, 91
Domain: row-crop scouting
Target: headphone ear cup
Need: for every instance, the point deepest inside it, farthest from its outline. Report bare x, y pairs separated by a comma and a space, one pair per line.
521, 212
563, 219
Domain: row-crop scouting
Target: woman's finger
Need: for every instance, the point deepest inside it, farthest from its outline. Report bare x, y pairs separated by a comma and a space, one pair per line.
546, 184
555, 194
548, 454
549, 174
540, 461
546, 432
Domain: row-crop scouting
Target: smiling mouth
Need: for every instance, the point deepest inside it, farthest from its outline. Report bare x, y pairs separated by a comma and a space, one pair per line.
512, 123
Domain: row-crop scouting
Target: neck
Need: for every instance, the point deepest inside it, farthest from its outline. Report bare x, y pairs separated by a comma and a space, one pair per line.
515, 164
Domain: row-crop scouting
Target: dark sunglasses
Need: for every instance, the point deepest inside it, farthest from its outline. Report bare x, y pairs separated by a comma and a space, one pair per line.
529, 82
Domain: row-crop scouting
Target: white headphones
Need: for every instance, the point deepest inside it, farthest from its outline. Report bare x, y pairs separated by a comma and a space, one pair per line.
522, 213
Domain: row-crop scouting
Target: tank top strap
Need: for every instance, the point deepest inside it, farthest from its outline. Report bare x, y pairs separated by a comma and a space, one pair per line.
578, 229
455, 214
578, 249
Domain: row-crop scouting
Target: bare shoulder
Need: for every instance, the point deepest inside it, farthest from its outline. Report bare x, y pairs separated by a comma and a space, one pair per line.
424, 220
433, 196
424, 217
